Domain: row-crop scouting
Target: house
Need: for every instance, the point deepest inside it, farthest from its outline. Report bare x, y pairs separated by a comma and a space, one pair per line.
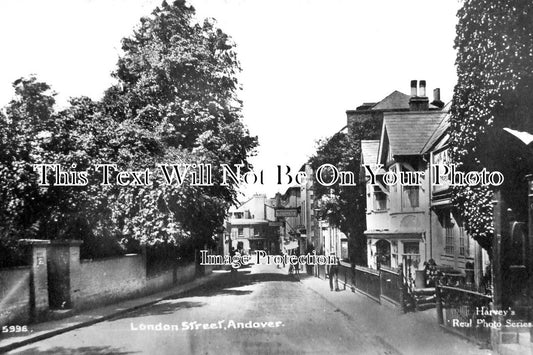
451, 247
287, 209
397, 212
249, 227
334, 240
366, 123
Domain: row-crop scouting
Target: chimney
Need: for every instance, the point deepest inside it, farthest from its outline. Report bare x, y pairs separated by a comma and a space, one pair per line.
418, 103
422, 88
436, 99
413, 88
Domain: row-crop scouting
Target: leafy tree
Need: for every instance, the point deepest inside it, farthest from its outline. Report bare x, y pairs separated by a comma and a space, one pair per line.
27, 118
177, 78
494, 90
344, 206
175, 101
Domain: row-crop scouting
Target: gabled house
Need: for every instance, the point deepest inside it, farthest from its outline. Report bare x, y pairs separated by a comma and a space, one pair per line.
398, 213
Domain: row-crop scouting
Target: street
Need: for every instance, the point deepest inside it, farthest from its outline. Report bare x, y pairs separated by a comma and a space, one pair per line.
259, 310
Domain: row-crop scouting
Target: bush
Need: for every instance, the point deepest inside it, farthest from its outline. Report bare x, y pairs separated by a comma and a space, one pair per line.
12, 254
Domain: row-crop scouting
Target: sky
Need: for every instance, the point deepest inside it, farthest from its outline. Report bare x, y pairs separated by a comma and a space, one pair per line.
305, 62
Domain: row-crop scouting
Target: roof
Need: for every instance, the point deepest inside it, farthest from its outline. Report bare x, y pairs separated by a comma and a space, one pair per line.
369, 151
408, 132
439, 132
395, 100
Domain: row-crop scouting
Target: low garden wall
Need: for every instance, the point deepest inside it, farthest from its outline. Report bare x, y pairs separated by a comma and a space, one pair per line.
109, 279
14, 295
56, 278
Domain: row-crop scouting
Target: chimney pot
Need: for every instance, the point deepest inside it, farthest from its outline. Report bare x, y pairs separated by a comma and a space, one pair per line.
418, 102
436, 94
413, 88
422, 88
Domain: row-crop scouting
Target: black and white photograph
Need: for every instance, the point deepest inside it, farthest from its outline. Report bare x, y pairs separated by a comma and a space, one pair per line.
266, 177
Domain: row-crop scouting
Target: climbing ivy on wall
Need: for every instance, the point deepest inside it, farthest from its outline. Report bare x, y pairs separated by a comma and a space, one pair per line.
494, 62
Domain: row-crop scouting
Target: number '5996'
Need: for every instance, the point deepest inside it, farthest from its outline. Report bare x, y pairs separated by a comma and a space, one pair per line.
14, 328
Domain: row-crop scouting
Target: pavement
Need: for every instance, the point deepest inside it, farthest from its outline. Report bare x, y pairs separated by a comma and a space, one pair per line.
295, 315
45, 330
407, 333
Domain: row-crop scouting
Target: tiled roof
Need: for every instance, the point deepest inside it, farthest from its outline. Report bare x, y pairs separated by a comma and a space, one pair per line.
369, 151
408, 132
396, 100
439, 132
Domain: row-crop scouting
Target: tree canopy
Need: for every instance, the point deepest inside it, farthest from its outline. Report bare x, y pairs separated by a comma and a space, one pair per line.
175, 100
494, 90
344, 206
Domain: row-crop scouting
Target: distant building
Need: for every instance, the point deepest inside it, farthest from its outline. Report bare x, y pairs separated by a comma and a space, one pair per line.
293, 226
334, 241
249, 227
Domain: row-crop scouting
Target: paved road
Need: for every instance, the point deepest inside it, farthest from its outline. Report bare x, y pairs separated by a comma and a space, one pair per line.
256, 311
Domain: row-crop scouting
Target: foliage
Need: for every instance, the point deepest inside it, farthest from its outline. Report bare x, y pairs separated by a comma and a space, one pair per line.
344, 206
178, 79
21, 128
175, 102
495, 80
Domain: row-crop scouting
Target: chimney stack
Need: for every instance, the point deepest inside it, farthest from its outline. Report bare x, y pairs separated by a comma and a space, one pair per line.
436, 98
418, 103
436, 94
413, 88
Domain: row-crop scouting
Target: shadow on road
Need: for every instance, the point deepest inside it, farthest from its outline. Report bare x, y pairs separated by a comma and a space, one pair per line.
227, 283
167, 306
84, 350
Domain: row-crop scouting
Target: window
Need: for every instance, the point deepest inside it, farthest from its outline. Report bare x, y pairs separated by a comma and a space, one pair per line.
394, 253
411, 248
239, 215
380, 199
411, 196
449, 241
344, 249
240, 233
464, 247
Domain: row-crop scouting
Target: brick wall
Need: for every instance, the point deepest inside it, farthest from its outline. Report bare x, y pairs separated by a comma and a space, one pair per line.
14, 295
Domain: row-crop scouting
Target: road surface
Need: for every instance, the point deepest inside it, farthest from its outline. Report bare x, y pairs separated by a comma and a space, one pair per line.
259, 310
